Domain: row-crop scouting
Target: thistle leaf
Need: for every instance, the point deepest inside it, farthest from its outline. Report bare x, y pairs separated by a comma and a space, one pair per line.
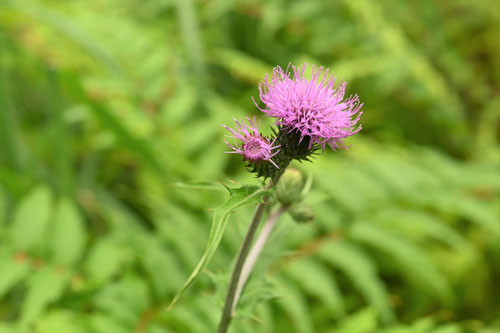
239, 197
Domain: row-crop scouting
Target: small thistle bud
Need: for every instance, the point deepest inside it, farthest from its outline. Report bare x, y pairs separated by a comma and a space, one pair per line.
289, 189
256, 149
302, 213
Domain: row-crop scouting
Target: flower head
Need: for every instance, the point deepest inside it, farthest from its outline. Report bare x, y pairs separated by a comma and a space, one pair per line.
255, 147
314, 108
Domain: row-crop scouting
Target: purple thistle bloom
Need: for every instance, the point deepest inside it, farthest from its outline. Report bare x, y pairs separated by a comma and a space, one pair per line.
255, 147
314, 108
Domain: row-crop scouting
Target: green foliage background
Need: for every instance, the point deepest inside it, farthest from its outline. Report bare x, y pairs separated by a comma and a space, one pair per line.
108, 106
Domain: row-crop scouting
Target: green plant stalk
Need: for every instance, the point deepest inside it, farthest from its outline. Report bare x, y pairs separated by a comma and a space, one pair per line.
256, 250
240, 261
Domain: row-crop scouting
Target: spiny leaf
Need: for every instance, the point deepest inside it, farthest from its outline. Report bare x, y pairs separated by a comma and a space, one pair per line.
239, 197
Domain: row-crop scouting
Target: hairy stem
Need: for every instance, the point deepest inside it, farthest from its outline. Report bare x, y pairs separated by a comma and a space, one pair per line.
255, 252
242, 255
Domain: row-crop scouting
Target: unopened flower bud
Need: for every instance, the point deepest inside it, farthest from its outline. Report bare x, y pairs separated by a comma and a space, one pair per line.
302, 213
255, 148
289, 189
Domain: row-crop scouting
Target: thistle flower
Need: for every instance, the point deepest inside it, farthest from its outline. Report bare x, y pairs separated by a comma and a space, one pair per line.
255, 148
313, 108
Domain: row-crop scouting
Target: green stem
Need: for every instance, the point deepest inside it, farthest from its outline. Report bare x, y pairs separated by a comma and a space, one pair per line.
242, 255
254, 253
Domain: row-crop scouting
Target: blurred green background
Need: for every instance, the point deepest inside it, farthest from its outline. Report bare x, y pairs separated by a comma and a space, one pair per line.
106, 105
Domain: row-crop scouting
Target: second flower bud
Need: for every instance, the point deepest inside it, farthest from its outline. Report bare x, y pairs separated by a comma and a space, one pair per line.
290, 186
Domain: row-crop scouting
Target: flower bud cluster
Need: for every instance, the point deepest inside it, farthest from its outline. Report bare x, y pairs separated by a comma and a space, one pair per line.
290, 193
